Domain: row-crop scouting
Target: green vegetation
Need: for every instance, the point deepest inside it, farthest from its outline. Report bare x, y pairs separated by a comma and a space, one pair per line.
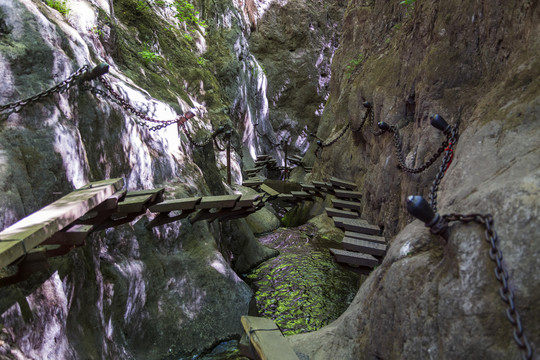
148, 56
186, 13
60, 6
353, 64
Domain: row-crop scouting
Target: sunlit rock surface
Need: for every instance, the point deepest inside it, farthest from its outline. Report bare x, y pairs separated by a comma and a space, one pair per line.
130, 292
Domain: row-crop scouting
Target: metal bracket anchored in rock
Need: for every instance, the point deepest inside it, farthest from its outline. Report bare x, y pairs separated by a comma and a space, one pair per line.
419, 208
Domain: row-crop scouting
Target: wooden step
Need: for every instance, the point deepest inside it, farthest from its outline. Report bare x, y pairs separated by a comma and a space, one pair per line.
267, 339
301, 195
354, 258
134, 204
156, 194
363, 246
252, 183
175, 204
218, 202
267, 189
333, 212
345, 204
347, 194
247, 200
366, 237
357, 225
343, 183
32, 230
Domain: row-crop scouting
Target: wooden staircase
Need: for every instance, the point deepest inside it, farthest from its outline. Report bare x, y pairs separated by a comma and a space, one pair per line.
363, 247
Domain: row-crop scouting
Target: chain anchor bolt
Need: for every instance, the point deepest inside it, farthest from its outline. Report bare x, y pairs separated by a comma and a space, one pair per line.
383, 126
97, 71
367, 104
438, 122
418, 207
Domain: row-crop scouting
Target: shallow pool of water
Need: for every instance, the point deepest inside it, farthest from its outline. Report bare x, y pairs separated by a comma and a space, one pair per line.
302, 289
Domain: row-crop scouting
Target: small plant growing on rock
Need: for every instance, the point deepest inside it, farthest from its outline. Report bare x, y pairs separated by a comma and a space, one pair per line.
59, 5
353, 64
147, 55
185, 12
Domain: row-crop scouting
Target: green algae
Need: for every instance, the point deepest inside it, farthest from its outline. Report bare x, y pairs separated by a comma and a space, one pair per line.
302, 289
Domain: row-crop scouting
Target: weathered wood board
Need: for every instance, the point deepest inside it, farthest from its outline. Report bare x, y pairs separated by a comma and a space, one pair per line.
363, 246
357, 225
269, 344
32, 230
366, 237
333, 212
354, 258
345, 204
343, 183
175, 204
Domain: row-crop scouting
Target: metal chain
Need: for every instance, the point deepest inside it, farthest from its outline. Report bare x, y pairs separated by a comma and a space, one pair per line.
96, 91
399, 152
128, 107
58, 88
205, 142
371, 121
501, 274
447, 159
369, 113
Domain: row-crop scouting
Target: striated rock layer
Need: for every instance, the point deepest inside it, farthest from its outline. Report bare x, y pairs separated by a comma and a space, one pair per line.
477, 65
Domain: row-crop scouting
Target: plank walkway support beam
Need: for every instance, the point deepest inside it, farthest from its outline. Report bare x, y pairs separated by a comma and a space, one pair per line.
18, 239
267, 340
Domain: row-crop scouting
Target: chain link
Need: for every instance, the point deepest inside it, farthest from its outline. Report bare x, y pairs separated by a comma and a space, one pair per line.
447, 159
58, 88
128, 107
398, 145
501, 274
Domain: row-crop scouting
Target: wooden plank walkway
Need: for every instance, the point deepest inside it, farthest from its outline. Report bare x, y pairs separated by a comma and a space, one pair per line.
357, 225
26, 234
267, 339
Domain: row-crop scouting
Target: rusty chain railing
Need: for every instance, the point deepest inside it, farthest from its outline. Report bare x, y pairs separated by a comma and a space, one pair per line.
83, 74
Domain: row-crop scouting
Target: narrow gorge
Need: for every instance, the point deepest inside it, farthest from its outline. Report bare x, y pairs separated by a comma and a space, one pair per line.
192, 96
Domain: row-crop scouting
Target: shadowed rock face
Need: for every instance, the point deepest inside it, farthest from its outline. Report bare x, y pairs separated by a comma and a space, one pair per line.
295, 42
476, 65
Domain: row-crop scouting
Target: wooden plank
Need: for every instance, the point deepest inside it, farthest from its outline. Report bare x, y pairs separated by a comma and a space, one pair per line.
175, 204
301, 194
333, 212
347, 194
247, 200
252, 183
343, 183
133, 204
269, 344
156, 193
363, 246
357, 225
366, 237
221, 201
345, 204
354, 258
32, 230
267, 189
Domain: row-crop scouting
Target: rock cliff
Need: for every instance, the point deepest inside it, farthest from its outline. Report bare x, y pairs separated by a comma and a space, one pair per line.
477, 65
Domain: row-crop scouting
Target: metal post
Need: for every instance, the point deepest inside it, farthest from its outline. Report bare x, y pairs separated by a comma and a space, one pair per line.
228, 137
285, 149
